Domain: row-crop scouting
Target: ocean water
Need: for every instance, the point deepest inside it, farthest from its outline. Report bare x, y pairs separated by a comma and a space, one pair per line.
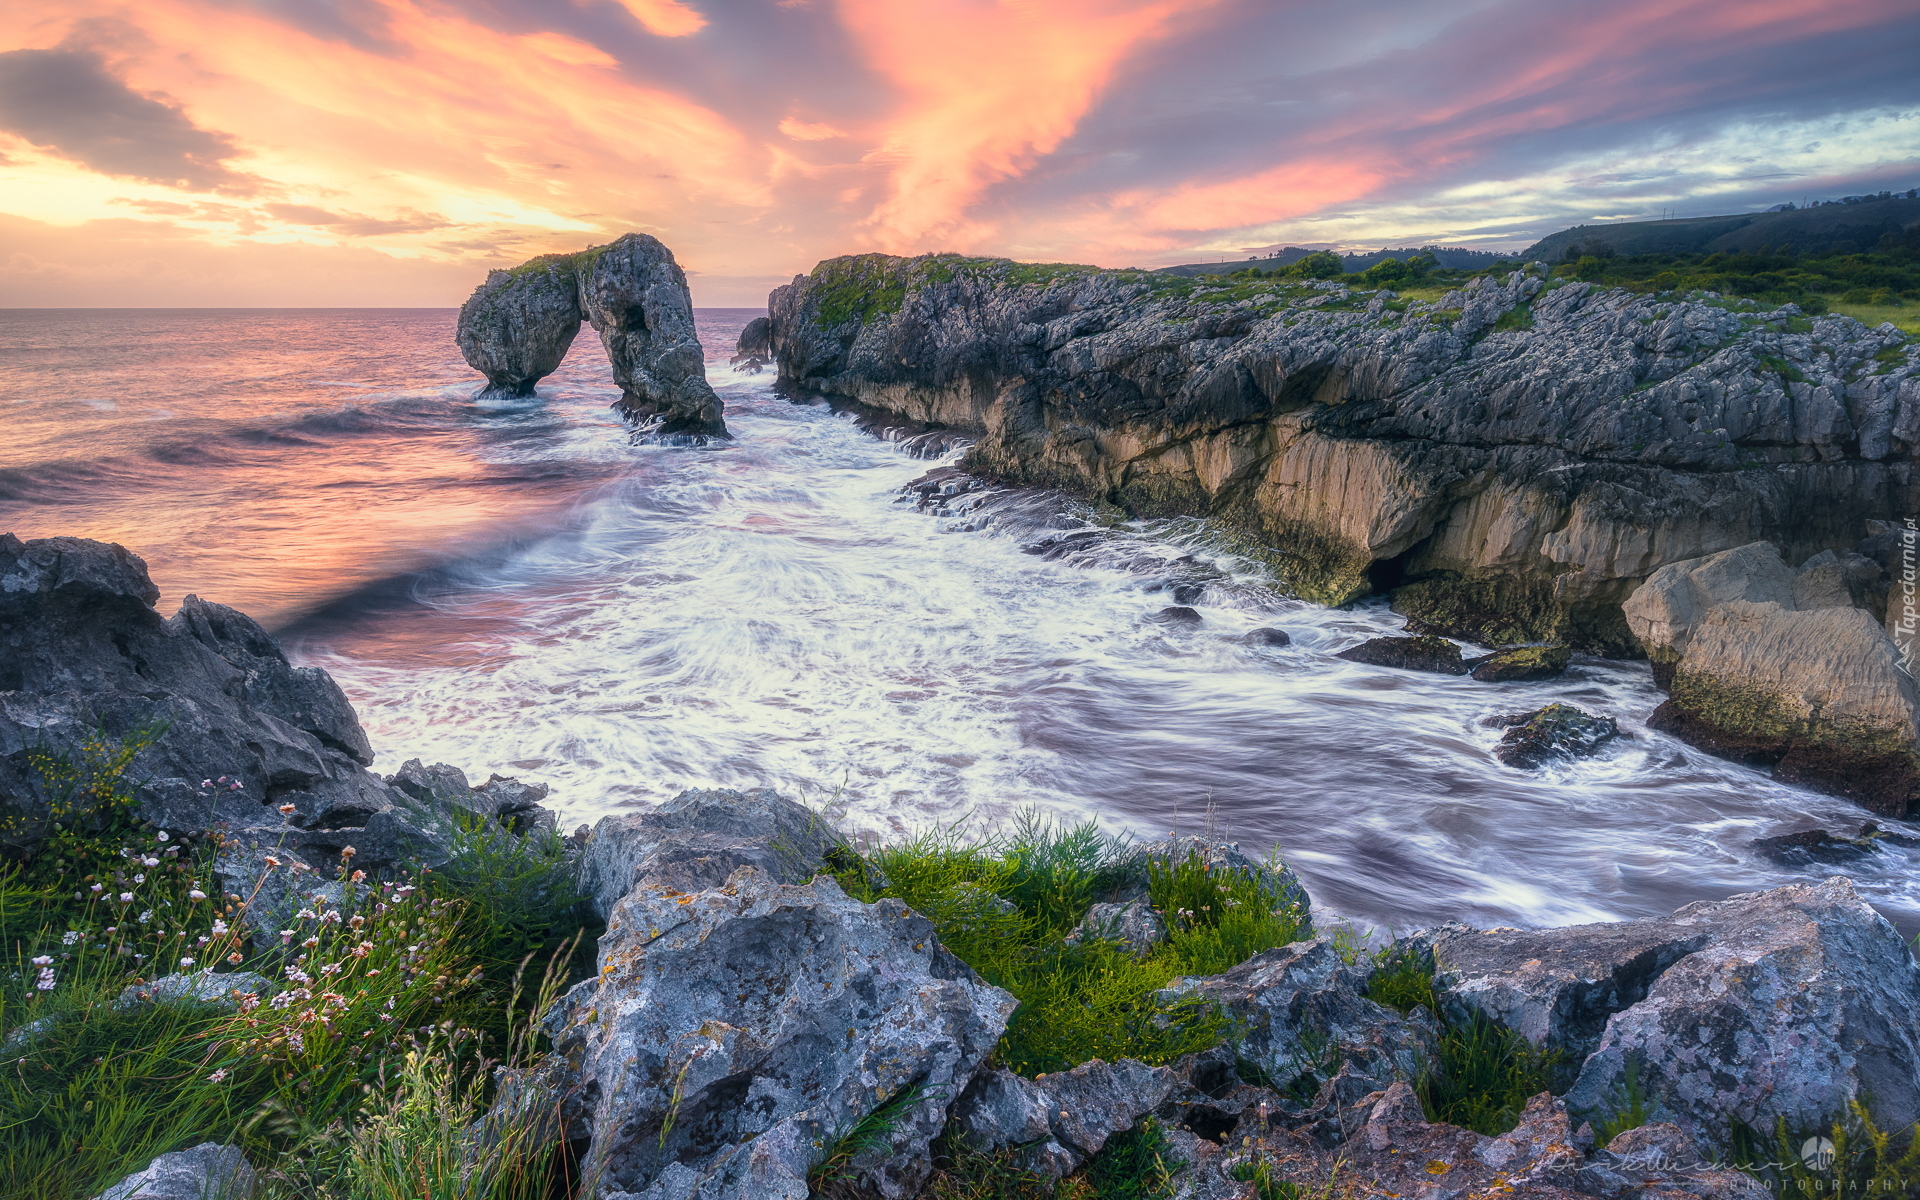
515, 588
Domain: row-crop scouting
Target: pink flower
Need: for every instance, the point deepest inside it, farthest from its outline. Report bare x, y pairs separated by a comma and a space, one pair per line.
217, 1076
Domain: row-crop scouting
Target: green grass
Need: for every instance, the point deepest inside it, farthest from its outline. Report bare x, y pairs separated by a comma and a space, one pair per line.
1004, 906
1905, 317
389, 1008
1867, 1162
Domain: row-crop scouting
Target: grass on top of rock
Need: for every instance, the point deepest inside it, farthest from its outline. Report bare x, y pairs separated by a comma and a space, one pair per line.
1010, 907
356, 1036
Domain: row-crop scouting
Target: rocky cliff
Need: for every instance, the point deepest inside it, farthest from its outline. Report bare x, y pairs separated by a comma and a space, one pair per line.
516, 327
1513, 457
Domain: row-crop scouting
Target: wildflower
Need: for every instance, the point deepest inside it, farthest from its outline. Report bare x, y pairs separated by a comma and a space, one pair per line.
296, 975
223, 779
139, 878
286, 936
206, 783
97, 888
249, 1002
234, 786
41, 960
69, 937
196, 895
306, 914
272, 861
217, 1076
149, 861
45, 982
202, 940
219, 927
348, 852
286, 810
234, 958
162, 836
282, 1000
311, 942
186, 962
358, 876
332, 916
145, 916
298, 1043
356, 921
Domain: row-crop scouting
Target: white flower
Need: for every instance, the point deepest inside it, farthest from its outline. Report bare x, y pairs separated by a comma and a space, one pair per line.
196, 894
305, 914
161, 836
45, 982
186, 962
98, 887
69, 937
145, 916
126, 897
149, 861
41, 960
217, 1076
139, 878
219, 927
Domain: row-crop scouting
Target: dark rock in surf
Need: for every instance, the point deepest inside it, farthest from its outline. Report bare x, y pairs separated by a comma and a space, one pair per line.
1427, 653
1556, 731
1523, 664
1268, 636
755, 346
1178, 614
517, 326
1811, 846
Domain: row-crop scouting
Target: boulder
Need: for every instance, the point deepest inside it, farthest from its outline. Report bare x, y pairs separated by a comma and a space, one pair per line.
1811, 846
1268, 636
1556, 731
1523, 664
1425, 653
501, 799
698, 839
1300, 1013
209, 1171
1058, 1121
200, 987
1663, 611
516, 327
1820, 696
1178, 614
1780, 1005
734, 1036
1134, 925
755, 346
1831, 579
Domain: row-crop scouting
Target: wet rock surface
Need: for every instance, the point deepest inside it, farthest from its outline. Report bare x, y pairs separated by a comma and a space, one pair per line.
1557, 731
1521, 453
1268, 636
1426, 653
732, 1033
517, 326
1523, 664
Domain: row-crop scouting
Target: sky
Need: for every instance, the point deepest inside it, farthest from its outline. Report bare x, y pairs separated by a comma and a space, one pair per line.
389, 152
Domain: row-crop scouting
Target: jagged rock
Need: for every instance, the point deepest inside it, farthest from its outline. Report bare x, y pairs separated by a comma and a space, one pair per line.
441, 787
1833, 580
1134, 925
1556, 731
698, 839
1523, 664
1820, 695
1522, 481
1663, 611
1059, 1121
1268, 637
82, 649
732, 1036
209, 1171
1426, 653
201, 987
1301, 1014
1786, 1004
516, 327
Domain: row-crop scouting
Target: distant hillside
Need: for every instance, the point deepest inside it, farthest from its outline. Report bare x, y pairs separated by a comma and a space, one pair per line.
1849, 228
1446, 256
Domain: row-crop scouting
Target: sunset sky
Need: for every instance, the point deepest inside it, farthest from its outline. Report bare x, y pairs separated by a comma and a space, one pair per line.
388, 152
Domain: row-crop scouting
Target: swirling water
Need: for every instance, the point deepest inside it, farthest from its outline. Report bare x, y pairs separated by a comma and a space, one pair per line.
513, 587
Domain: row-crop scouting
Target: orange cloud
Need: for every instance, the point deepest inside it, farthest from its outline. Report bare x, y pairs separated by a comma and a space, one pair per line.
665, 18
808, 131
990, 86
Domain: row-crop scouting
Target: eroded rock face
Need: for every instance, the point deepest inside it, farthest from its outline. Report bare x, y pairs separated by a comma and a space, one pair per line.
1522, 453
1786, 1004
1059, 1121
733, 1035
1818, 695
517, 326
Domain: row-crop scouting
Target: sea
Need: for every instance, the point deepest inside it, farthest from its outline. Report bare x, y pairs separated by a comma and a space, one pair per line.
514, 587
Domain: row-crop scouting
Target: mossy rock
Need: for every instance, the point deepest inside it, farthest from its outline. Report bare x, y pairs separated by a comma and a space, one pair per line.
1556, 731
1523, 664
1435, 654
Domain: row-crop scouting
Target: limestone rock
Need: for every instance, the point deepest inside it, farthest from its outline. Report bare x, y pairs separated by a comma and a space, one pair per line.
1820, 695
1787, 1004
1427, 653
1522, 482
698, 839
1302, 1015
733, 1035
754, 347
1556, 731
200, 987
1059, 1121
1523, 664
209, 1171
517, 326
1134, 925
1663, 611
